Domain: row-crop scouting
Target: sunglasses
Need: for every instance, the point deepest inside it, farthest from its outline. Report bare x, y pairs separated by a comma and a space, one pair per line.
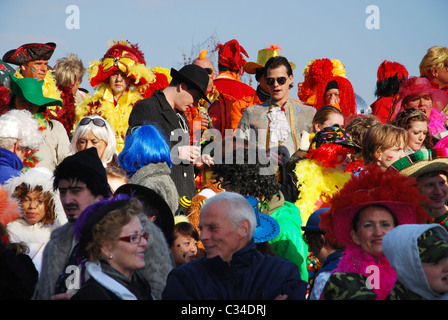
280, 80
96, 121
209, 70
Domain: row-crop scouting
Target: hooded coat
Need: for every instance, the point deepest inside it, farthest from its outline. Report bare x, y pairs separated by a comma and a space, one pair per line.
400, 248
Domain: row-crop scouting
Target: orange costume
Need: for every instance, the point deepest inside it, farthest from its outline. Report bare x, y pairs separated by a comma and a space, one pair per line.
229, 84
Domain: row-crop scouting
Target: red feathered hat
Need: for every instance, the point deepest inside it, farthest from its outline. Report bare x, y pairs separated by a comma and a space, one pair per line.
122, 56
231, 55
388, 69
347, 105
372, 186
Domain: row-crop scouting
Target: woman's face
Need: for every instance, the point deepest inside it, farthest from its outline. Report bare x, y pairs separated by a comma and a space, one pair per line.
417, 132
421, 101
126, 256
373, 224
184, 249
390, 155
89, 140
33, 207
332, 119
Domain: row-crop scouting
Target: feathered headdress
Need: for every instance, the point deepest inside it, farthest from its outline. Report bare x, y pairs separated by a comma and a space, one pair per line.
231, 55
125, 57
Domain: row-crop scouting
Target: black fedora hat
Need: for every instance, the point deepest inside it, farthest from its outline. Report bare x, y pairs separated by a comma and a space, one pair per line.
194, 76
155, 203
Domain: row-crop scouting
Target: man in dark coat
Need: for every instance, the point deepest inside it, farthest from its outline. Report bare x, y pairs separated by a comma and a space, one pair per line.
233, 268
165, 109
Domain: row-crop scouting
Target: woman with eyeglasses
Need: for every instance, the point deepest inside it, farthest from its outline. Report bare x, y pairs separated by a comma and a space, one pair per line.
95, 131
113, 240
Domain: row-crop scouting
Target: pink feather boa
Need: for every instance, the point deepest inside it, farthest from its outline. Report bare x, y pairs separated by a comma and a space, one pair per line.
354, 259
436, 121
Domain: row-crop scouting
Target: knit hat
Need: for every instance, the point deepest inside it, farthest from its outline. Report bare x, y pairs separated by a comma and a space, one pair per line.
88, 160
231, 55
263, 56
30, 52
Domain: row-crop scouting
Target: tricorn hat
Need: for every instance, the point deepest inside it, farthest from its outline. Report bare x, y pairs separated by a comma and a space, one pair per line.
29, 52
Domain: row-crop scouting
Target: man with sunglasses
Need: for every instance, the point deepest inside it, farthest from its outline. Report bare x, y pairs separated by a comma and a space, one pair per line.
279, 121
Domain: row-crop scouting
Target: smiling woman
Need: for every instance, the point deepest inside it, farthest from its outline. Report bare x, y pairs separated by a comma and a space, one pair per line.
113, 240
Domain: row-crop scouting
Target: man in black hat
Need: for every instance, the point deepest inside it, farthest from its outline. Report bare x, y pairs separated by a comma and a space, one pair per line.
81, 180
166, 109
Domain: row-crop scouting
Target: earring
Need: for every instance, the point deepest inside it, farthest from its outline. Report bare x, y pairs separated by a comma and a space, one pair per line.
110, 257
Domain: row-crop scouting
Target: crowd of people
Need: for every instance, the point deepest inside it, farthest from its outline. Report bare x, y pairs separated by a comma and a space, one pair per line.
190, 184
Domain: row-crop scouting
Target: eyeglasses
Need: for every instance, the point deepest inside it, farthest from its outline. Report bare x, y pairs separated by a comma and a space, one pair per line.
280, 80
96, 121
135, 238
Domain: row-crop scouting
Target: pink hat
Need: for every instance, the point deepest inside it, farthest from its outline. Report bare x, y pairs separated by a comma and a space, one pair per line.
417, 85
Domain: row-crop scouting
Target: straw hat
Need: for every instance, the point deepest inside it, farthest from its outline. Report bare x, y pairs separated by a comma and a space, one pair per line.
263, 56
422, 162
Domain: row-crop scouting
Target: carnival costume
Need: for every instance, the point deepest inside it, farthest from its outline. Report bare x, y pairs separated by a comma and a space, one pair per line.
390, 75
64, 113
125, 57
371, 186
228, 83
316, 176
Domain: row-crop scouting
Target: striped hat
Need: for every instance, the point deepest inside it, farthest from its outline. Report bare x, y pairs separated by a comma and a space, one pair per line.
421, 162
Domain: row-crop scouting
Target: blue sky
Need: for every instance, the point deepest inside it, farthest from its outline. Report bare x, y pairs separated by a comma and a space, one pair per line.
306, 30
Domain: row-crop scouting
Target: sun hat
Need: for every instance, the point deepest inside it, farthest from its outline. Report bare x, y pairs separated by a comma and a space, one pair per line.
263, 56
194, 76
417, 85
31, 90
164, 215
29, 52
372, 186
421, 162
312, 225
267, 227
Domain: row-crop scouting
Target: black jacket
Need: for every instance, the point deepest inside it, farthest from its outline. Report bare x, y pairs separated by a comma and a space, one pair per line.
157, 111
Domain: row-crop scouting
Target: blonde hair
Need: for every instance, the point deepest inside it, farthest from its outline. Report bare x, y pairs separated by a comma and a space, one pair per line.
435, 58
69, 70
380, 137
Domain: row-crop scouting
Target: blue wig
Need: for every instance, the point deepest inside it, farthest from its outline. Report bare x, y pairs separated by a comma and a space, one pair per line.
143, 146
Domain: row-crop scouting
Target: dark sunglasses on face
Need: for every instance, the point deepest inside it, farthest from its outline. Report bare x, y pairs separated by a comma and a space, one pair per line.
96, 121
280, 80
209, 70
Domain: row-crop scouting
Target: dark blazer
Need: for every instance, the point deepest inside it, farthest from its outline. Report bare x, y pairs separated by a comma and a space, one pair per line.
157, 111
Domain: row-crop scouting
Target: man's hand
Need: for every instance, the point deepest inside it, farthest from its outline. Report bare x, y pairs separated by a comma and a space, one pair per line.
189, 153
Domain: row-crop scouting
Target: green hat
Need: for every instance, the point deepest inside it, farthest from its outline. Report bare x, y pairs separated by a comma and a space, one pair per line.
432, 247
30, 89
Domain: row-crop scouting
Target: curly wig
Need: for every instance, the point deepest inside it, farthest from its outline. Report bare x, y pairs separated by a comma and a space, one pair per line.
372, 184
347, 105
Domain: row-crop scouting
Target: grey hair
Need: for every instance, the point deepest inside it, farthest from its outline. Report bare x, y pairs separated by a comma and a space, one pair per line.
104, 133
238, 208
20, 125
